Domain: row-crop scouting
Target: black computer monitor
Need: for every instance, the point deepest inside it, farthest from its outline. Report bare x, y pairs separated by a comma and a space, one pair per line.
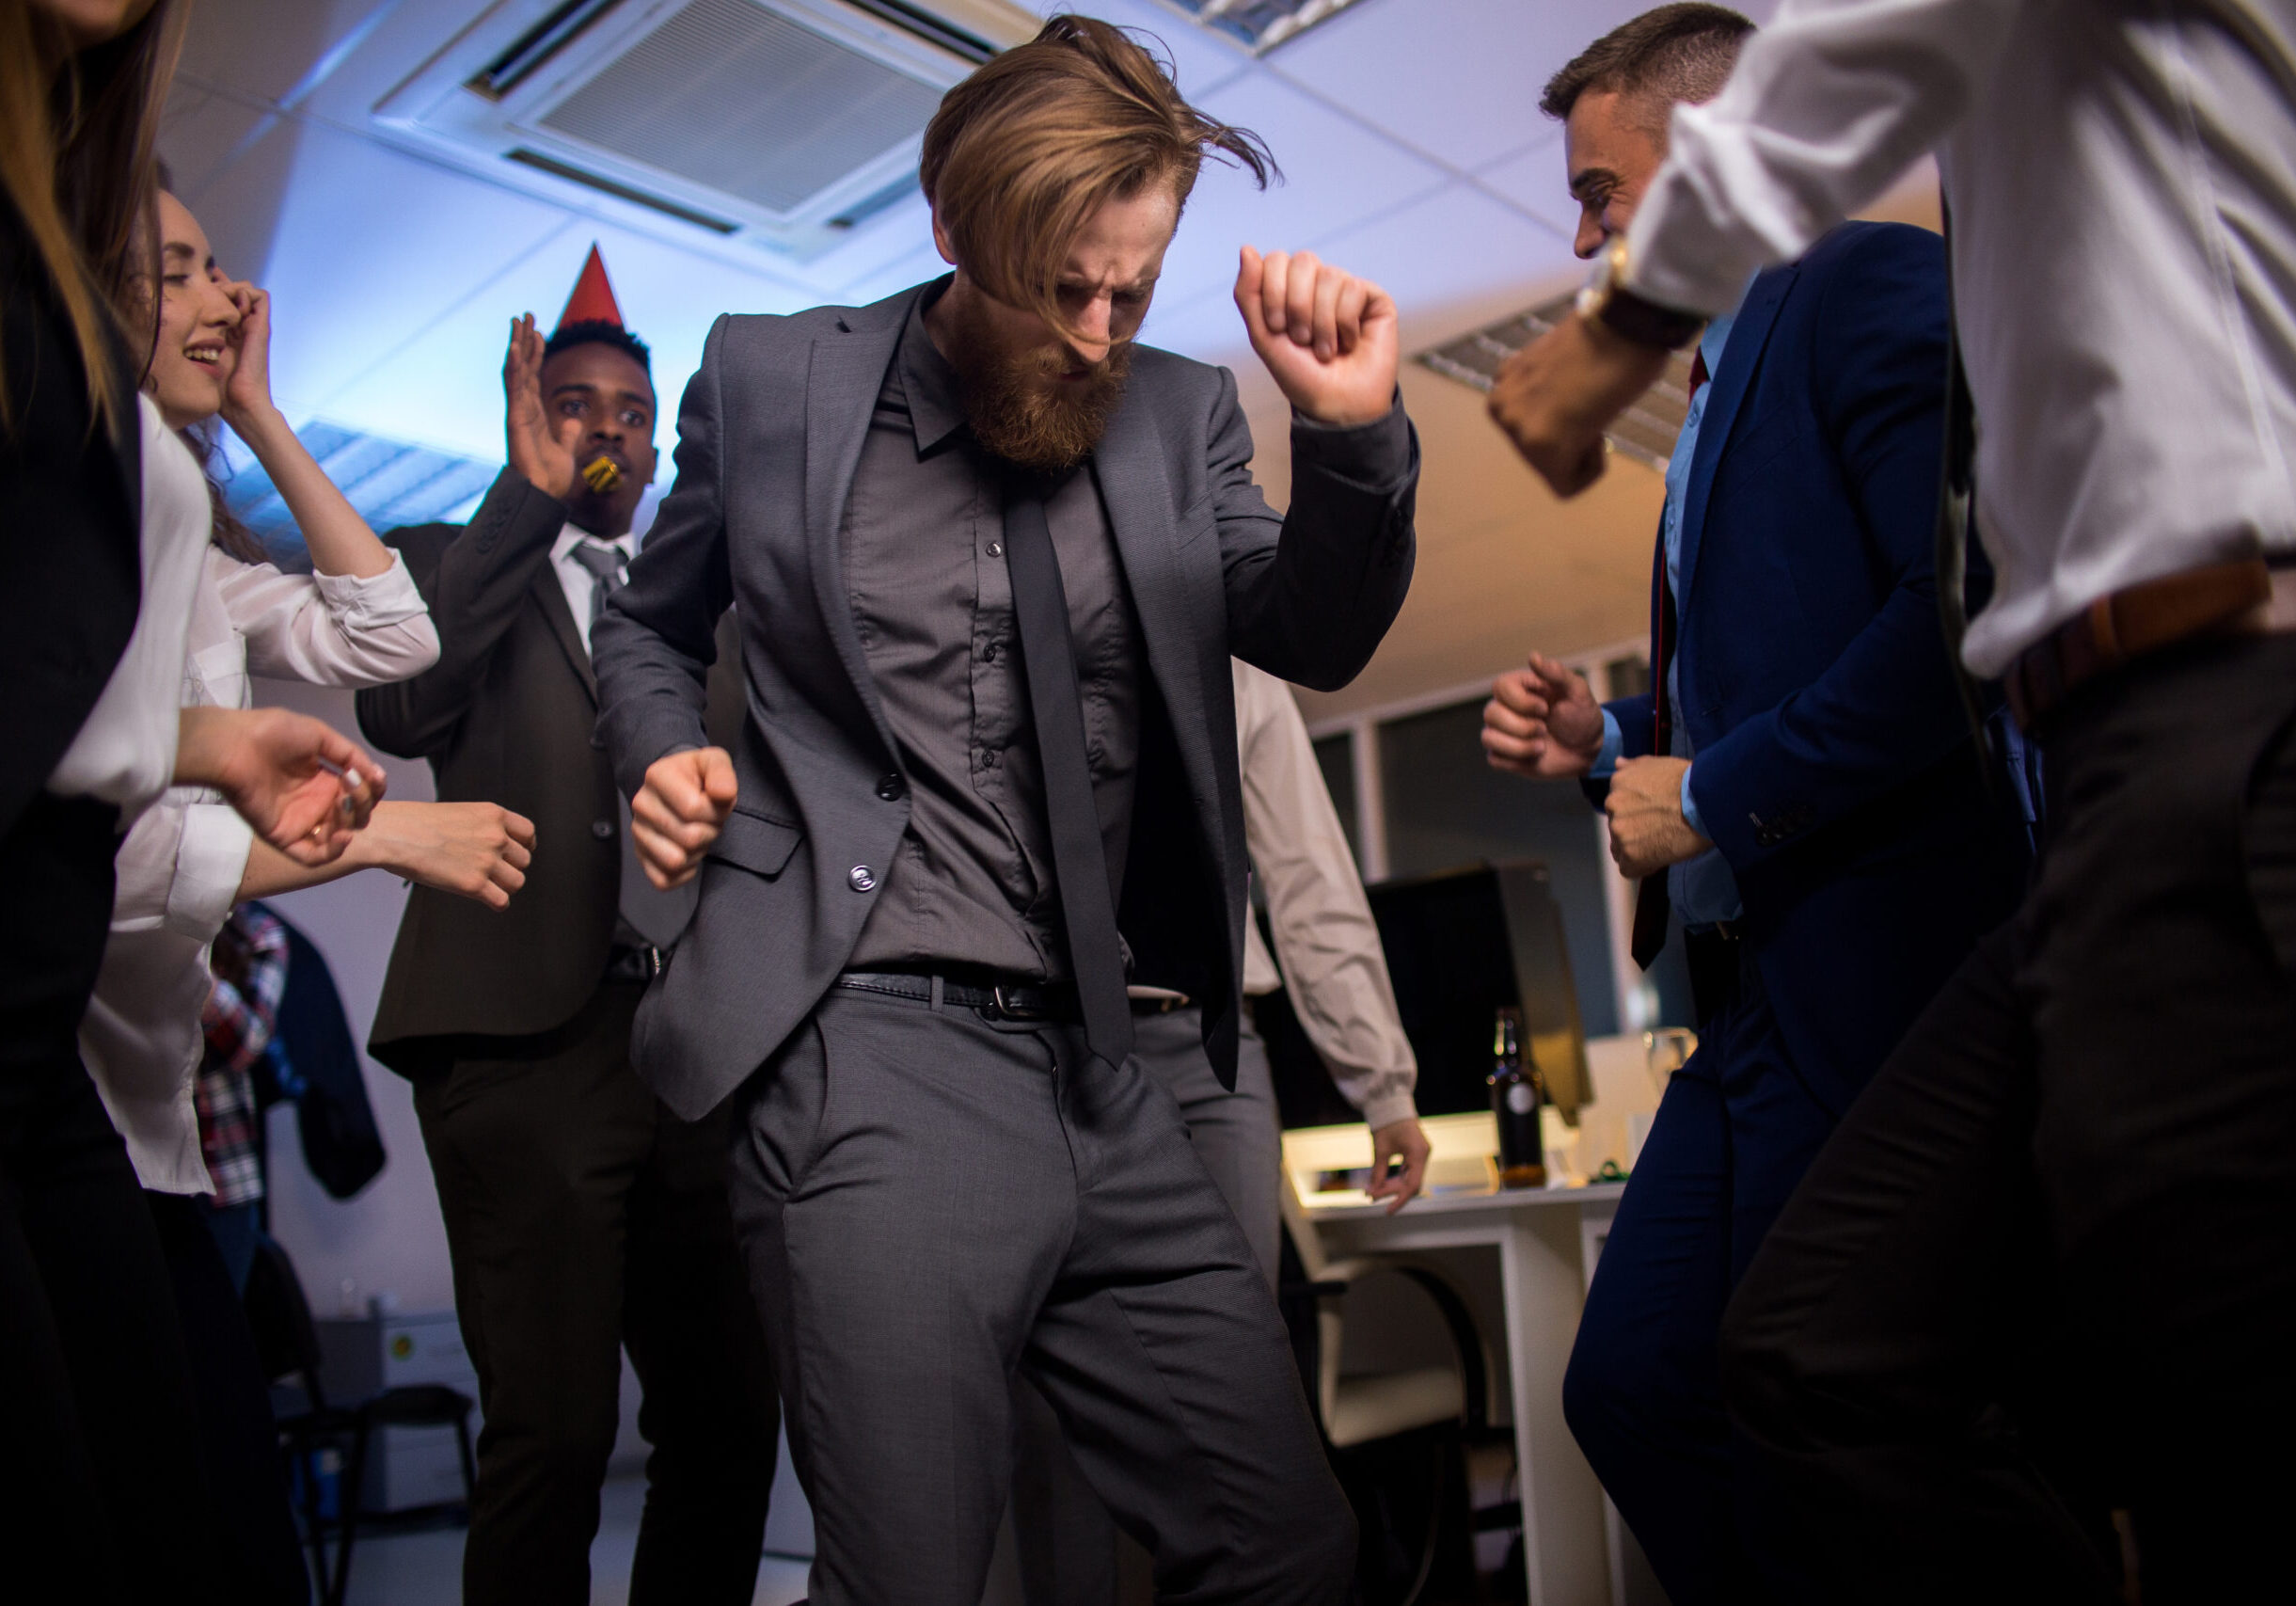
1459, 946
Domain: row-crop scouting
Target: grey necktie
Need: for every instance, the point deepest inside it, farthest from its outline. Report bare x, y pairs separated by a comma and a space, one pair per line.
652, 915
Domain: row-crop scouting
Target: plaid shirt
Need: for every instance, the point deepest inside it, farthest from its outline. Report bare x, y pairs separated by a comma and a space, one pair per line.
239, 1022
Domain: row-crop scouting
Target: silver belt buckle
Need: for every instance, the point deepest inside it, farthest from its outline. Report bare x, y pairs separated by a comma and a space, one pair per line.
1009, 1010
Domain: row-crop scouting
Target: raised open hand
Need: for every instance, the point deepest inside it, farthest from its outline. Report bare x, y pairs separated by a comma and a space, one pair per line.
541, 447
1328, 339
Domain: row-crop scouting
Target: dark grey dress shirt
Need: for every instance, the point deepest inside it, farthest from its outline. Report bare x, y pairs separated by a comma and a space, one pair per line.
924, 547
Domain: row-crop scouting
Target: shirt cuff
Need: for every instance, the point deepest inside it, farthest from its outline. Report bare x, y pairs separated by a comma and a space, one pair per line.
209, 864
1389, 1108
1690, 810
1614, 742
1374, 454
373, 600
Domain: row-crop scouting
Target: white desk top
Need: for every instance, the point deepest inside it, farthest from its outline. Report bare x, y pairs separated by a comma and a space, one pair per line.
1465, 1201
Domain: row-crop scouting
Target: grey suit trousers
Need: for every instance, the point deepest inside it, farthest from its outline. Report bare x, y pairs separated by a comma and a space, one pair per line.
1070, 1550
934, 1203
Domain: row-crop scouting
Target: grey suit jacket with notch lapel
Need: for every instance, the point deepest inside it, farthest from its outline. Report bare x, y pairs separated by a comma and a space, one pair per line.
768, 436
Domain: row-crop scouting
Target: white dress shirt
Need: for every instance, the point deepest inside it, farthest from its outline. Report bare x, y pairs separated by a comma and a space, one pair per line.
1332, 961
2121, 176
126, 752
578, 581
180, 866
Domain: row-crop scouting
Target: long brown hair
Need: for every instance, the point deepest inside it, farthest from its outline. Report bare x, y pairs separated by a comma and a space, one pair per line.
1024, 152
77, 133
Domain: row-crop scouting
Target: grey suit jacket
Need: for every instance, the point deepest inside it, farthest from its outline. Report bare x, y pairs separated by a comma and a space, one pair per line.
768, 434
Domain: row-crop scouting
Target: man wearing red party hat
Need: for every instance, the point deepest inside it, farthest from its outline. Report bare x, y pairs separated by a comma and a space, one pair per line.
581, 1216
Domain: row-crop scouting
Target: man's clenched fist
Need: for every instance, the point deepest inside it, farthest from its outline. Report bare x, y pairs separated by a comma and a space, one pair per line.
1541, 721
679, 811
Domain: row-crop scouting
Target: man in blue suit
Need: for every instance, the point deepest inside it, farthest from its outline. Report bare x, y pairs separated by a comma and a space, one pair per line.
1800, 789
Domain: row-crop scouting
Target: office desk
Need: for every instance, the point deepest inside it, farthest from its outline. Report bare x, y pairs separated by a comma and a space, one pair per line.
1547, 1241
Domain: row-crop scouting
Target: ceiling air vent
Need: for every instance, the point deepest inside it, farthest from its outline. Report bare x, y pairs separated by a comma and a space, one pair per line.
787, 125
1644, 432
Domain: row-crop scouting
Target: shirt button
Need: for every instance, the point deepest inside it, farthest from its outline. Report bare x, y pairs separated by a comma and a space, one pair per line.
889, 788
861, 878
988, 653
996, 548
602, 829
988, 758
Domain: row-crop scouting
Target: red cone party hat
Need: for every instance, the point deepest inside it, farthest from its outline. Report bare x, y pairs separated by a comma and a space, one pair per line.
593, 300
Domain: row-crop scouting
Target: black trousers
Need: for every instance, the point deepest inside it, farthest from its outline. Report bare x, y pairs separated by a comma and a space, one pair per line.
259, 1548
581, 1216
2047, 1265
100, 1452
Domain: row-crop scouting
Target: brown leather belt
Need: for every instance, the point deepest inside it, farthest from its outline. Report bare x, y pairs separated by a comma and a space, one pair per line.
2130, 622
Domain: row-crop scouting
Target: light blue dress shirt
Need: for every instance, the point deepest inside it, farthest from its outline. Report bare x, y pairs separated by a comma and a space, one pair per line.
1702, 890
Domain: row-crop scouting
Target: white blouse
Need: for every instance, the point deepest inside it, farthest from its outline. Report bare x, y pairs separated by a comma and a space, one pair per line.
125, 751
180, 866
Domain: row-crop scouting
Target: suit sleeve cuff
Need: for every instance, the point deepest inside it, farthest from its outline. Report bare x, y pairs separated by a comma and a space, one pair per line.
1377, 454
1614, 743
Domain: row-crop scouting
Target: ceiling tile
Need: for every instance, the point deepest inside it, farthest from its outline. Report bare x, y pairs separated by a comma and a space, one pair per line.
1453, 247
1534, 179
1201, 60
1457, 79
1336, 174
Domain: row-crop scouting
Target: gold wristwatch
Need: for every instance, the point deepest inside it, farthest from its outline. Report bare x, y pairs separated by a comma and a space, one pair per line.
1608, 301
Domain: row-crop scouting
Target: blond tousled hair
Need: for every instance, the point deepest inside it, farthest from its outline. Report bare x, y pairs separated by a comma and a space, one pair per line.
1024, 152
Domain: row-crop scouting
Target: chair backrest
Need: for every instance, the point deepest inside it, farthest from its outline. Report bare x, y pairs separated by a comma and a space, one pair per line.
286, 1339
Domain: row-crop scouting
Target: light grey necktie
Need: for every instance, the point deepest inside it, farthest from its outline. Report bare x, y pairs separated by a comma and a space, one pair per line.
652, 915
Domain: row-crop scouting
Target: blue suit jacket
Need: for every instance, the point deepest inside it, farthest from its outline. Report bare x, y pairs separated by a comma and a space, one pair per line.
1834, 766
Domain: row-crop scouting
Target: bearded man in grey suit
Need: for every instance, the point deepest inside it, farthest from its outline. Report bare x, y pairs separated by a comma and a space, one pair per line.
990, 558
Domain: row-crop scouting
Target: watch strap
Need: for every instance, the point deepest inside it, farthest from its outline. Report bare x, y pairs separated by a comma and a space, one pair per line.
1645, 322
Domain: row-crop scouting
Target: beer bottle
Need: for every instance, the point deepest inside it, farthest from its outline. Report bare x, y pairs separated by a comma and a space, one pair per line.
1517, 1092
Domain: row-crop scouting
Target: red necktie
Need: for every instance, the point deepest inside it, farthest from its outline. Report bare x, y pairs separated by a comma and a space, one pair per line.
1651, 905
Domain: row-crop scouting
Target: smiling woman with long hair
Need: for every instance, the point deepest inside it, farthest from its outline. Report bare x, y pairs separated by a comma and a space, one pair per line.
103, 522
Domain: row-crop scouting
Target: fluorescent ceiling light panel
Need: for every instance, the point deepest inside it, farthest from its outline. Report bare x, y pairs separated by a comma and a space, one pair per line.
1260, 25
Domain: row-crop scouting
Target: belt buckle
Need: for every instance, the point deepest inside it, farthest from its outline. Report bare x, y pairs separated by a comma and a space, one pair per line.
1010, 1011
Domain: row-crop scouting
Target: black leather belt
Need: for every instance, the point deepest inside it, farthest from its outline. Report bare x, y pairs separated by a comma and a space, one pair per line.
1013, 1000
626, 962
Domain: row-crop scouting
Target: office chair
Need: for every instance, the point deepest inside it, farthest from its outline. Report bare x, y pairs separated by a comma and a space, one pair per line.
288, 1341
1367, 1419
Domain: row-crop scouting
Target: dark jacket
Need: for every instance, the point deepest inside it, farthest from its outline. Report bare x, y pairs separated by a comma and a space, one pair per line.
505, 716
71, 527
1834, 766
768, 436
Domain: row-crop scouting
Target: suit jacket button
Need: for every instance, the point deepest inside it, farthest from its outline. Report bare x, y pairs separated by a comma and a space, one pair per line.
861, 878
889, 788
602, 829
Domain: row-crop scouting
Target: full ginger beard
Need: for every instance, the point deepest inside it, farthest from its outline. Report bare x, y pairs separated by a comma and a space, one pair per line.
1021, 407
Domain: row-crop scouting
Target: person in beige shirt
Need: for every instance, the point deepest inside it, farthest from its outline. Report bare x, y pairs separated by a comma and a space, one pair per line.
1327, 948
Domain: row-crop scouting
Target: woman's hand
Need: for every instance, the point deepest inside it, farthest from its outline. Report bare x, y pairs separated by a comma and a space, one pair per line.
304, 787
247, 394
